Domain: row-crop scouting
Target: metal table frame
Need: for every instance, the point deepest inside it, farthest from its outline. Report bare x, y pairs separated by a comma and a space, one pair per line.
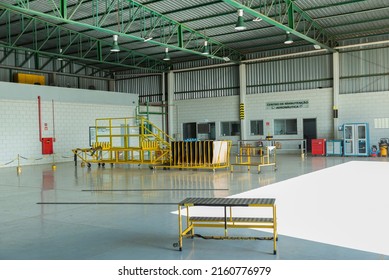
228, 220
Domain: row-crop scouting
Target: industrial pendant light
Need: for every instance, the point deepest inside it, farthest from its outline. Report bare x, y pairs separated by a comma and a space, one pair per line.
115, 45
240, 23
288, 39
167, 56
205, 49
316, 47
60, 53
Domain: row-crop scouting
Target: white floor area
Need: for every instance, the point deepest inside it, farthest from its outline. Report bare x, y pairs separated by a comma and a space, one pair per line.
345, 205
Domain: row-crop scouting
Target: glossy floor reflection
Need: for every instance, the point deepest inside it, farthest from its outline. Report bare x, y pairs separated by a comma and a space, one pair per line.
125, 212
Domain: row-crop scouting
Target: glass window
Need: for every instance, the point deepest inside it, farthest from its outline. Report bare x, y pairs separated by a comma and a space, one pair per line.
256, 127
230, 128
285, 127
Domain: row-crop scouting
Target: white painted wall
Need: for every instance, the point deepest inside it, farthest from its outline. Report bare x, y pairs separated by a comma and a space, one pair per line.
319, 108
361, 107
206, 110
227, 109
365, 107
75, 111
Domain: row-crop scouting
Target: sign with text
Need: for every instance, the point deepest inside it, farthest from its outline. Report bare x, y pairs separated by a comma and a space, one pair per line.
287, 104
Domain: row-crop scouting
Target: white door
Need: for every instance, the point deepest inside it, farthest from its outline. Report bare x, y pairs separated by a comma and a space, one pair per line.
361, 139
348, 139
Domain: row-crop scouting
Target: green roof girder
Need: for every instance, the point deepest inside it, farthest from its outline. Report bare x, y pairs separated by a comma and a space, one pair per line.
301, 15
74, 38
195, 36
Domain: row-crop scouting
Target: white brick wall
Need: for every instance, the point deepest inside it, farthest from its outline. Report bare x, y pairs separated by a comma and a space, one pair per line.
19, 124
361, 107
227, 109
365, 107
206, 110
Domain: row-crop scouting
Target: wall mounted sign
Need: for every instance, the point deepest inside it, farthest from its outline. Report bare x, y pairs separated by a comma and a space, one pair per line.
287, 104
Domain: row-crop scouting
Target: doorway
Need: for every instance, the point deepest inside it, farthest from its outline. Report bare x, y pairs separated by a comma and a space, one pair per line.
309, 132
189, 130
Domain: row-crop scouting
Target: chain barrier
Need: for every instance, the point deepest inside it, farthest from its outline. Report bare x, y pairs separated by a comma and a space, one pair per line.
31, 159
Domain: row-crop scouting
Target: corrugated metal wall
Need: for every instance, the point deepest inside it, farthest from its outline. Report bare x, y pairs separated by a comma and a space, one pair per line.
66, 74
211, 82
149, 88
289, 74
195, 63
364, 71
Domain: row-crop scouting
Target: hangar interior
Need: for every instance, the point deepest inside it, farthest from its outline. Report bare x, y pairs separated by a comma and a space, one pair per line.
308, 78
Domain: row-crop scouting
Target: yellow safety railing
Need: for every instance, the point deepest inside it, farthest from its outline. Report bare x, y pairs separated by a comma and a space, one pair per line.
207, 154
126, 140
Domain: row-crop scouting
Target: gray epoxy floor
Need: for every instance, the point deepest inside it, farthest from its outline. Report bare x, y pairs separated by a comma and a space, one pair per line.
78, 226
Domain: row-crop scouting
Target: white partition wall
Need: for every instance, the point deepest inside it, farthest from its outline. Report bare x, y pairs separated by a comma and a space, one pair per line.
66, 115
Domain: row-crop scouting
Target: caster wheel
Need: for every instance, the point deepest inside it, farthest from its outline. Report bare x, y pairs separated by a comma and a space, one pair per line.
89, 165
274, 252
103, 164
98, 164
175, 245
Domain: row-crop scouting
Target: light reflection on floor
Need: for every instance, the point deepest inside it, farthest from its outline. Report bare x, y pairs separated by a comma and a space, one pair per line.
344, 205
134, 219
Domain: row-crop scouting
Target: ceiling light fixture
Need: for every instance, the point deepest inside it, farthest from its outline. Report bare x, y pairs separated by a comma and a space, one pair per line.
205, 49
145, 39
167, 56
60, 53
115, 45
240, 23
317, 47
288, 39
257, 19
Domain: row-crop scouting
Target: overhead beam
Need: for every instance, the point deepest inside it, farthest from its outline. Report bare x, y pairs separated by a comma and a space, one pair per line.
75, 45
286, 10
165, 32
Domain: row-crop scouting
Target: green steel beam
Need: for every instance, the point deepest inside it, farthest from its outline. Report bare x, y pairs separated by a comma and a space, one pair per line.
28, 56
63, 8
303, 26
174, 35
75, 45
130, 14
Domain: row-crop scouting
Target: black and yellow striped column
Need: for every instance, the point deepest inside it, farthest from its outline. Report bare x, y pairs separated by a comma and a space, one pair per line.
241, 111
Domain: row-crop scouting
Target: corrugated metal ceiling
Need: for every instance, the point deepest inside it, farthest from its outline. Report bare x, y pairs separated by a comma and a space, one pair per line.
88, 25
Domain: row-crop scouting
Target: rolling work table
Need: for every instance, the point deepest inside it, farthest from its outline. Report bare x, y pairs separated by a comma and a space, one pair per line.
247, 157
228, 220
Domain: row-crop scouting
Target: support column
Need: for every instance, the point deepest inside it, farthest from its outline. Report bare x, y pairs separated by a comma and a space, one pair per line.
336, 86
171, 112
242, 101
165, 113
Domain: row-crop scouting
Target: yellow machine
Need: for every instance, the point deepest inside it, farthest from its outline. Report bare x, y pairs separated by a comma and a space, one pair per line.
126, 141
